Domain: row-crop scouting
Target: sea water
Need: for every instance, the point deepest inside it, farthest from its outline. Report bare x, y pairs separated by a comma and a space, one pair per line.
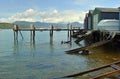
45, 58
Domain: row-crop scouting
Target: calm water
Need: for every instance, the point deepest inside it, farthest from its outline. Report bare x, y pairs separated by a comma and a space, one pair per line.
46, 59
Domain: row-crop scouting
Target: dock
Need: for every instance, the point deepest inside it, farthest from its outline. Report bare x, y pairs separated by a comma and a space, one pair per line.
32, 29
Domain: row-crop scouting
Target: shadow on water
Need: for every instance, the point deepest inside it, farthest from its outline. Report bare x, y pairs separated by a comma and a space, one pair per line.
113, 46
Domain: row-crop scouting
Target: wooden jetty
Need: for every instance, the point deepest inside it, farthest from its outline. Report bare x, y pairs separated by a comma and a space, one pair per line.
114, 66
33, 29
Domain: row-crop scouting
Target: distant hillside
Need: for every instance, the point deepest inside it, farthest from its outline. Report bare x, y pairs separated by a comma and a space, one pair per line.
24, 24
76, 24
37, 24
6, 26
43, 24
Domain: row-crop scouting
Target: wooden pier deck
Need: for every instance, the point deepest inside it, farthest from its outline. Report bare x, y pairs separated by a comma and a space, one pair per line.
46, 29
33, 29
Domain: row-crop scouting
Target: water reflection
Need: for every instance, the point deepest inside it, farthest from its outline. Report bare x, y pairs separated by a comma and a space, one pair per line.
16, 46
32, 44
51, 41
22, 45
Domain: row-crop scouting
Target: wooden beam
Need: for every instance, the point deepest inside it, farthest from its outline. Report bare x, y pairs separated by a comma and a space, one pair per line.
87, 47
116, 67
91, 70
105, 74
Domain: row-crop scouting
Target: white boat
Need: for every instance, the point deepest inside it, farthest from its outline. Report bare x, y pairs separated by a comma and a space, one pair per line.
109, 24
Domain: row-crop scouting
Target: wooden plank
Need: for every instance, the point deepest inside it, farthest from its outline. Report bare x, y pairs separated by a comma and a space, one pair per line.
88, 47
81, 38
45, 29
116, 67
91, 70
105, 74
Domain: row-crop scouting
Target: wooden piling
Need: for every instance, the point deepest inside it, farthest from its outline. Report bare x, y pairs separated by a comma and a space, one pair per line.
70, 32
51, 31
33, 29
15, 29
21, 34
32, 33
68, 29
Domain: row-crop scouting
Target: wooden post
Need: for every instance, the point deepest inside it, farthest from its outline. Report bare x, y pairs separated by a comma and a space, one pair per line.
51, 31
68, 29
14, 35
33, 33
15, 29
70, 32
101, 36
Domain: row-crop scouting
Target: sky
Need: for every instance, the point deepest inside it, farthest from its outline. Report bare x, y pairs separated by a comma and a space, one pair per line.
53, 11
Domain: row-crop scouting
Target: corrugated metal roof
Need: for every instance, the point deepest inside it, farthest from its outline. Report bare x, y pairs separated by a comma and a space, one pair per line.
107, 9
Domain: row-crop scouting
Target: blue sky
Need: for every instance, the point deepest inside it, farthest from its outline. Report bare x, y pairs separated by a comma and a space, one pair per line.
50, 10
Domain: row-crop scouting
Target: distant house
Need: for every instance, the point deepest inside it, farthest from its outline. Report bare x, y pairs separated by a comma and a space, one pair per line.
88, 20
98, 14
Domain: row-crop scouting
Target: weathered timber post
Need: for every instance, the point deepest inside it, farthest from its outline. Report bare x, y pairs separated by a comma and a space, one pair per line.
70, 32
101, 36
51, 31
68, 29
33, 27
15, 29
32, 33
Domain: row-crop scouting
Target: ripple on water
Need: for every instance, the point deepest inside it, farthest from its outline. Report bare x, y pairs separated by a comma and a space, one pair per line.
40, 65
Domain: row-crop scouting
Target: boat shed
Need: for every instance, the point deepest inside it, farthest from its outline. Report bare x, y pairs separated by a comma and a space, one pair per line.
104, 13
86, 21
90, 18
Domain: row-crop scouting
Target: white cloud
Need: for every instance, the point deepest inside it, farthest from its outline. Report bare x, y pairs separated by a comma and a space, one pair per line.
46, 16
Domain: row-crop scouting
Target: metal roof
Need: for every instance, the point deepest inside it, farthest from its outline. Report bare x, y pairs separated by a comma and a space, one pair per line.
107, 9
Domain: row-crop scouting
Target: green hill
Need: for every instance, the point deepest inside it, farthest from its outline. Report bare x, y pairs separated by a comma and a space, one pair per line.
10, 26
6, 26
24, 24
